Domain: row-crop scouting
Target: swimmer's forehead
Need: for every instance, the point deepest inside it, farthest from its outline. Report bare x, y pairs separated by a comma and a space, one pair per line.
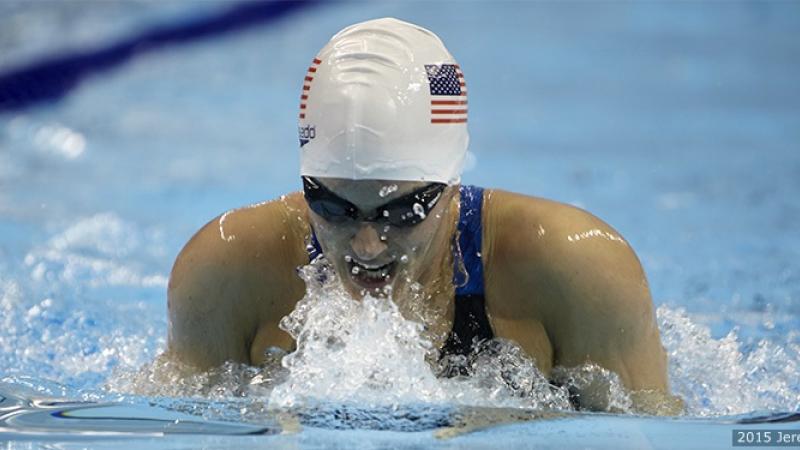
370, 193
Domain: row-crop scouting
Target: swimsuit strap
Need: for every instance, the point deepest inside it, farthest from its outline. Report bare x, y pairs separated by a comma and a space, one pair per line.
313, 248
468, 278
470, 322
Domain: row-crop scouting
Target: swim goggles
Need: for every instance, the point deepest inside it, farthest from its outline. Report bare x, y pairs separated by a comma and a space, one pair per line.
404, 211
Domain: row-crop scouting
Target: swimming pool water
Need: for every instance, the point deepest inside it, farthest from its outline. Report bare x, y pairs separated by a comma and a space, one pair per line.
676, 123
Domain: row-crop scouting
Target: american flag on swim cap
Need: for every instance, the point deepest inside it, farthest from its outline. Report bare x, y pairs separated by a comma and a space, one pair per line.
448, 93
312, 70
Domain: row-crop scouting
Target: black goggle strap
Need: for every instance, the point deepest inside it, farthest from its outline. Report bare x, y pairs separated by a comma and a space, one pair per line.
314, 190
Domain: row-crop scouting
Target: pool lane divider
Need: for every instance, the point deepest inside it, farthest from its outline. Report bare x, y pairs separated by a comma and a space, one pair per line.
53, 78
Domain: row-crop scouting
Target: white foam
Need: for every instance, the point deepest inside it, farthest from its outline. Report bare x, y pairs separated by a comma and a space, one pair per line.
716, 377
366, 353
99, 250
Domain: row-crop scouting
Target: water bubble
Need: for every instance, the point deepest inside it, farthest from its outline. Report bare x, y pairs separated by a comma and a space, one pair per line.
386, 190
355, 270
348, 258
419, 210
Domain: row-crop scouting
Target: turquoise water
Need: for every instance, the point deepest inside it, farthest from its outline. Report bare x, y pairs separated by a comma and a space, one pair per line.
678, 124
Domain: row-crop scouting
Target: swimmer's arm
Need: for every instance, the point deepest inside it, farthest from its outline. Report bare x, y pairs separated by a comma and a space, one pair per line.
611, 321
231, 285
203, 331
591, 294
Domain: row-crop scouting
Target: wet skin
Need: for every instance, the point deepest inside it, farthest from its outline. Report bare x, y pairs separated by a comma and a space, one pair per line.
359, 249
558, 281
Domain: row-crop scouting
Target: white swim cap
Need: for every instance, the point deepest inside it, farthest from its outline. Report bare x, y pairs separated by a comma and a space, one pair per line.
384, 100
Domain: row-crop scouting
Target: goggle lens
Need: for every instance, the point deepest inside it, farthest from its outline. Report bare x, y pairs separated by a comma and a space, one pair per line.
408, 210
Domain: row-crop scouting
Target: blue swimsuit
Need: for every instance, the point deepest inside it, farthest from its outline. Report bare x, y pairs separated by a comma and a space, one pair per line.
470, 325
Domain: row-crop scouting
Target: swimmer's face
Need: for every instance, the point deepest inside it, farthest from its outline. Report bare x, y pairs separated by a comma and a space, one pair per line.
382, 243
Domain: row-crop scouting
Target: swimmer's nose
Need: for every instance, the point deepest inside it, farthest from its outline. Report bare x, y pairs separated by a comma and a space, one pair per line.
367, 244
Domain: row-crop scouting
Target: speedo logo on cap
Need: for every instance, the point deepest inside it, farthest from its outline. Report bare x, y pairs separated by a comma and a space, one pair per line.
308, 132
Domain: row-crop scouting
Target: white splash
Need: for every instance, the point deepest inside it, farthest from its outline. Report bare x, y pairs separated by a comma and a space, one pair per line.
715, 377
388, 189
365, 352
60, 139
96, 250
49, 138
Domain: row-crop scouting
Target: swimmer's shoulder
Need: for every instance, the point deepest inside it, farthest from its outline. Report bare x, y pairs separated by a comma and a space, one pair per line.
237, 272
523, 226
258, 236
564, 268
555, 249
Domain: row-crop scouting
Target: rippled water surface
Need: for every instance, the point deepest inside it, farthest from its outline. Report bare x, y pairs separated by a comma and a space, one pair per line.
676, 123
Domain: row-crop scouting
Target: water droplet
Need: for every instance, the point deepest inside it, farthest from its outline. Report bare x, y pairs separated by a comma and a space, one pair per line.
404, 259
355, 270
419, 210
386, 190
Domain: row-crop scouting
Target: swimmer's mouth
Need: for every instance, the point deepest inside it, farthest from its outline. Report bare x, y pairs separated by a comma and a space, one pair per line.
371, 276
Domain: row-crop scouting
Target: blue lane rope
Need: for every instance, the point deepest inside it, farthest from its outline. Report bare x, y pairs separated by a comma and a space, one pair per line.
53, 78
